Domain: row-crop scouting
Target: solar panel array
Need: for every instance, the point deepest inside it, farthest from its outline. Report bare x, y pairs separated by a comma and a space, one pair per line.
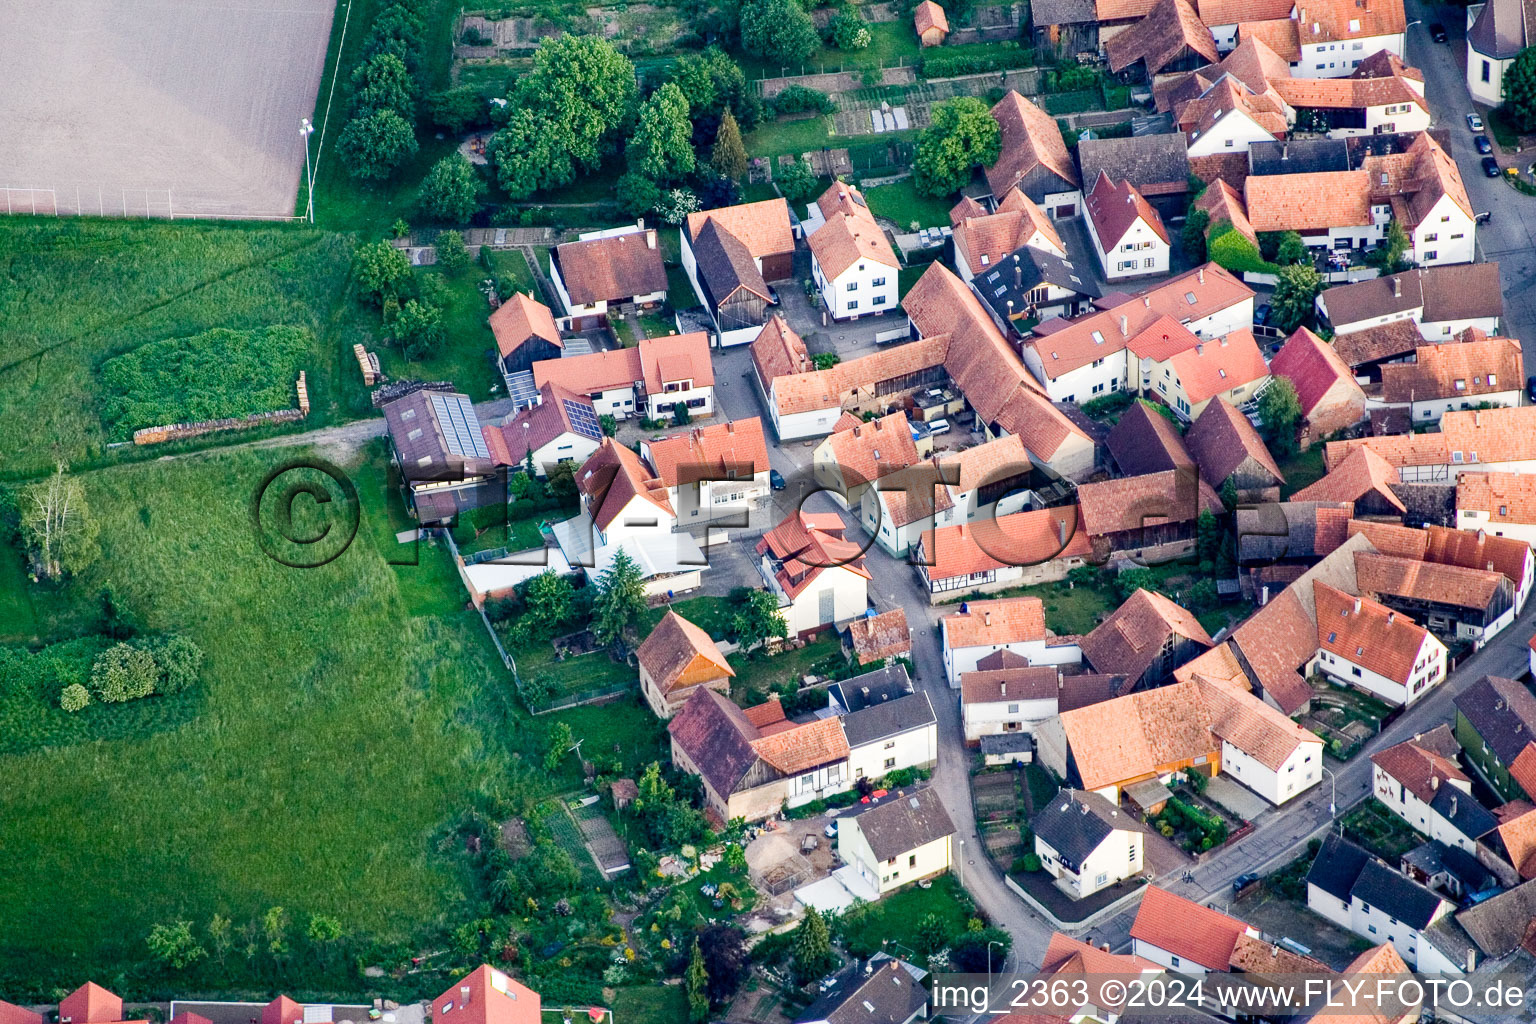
521, 389
461, 429
583, 419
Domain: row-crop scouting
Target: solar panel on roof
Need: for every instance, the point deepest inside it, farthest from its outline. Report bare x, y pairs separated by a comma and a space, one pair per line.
461, 428
583, 419
521, 389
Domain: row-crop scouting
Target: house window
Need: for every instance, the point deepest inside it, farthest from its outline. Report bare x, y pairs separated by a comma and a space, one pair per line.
1430, 255
890, 762
853, 305
1013, 709
912, 861
1149, 264
1229, 143
878, 282
1432, 237
984, 259
808, 780
853, 286
1486, 70
879, 300
1461, 384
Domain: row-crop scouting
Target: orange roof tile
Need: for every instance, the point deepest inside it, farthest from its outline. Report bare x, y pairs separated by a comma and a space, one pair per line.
1362, 472
1505, 497
840, 384
1222, 203
864, 452
612, 477
1392, 539
1326, 21
1132, 638
679, 653
1115, 209
1314, 369
91, 1004
1455, 369
1170, 30
522, 317
1217, 366
1308, 202
710, 453
763, 227
886, 635
1519, 836
985, 239
1030, 139
1013, 620
492, 998
1231, 12
1252, 726
1279, 34
592, 373
804, 747
1129, 738
1187, 929
1027, 682
806, 544
1427, 581
674, 358
1420, 767
1523, 768
1346, 93
10, 1013
778, 351
849, 235
1130, 503
1367, 633
1478, 549
929, 15
1019, 538
615, 268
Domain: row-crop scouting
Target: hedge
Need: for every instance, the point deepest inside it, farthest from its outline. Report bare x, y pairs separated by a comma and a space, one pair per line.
1228, 248
797, 99
937, 66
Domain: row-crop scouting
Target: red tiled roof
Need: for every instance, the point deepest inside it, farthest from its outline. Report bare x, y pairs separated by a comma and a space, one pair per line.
10, 1013
1115, 209
679, 652
1523, 768
530, 429
92, 1004
712, 452
1519, 836
1478, 549
763, 227
494, 998
1308, 202
1252, 726
1505, 497
1170, 30
929, 15
1392, 539
1327, 21
1279, 34
1346, 93
998, 622
1133, 636
1479, 435
1314, 369
591, 373
1019, 538
675, 358
1363, 472
1030, 138
522, 317
850, 233
778, 351
1419, 767
612, 477
1427, 581
1469, 368
886, 635
1215, 367
1120, 741
866, 451
1152, 499
1185, 928
806, 544
283, 1010
1222, 202
616, 268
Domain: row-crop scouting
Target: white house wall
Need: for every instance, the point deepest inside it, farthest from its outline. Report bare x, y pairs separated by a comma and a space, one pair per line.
1301, 771
915, 748
1339, 58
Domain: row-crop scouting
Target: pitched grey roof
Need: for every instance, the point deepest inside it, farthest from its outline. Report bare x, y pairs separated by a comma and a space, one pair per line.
885, 991
1337, 865
1146, 161
1384, 889
1007, 743
1078, 821
868, 688
1062, 12
890, 718
1502, 28
1014, 277
1463, 811
1461, 292
1502, 711
725, 264
1298, 156
1498, 924
903, 821
1146, 441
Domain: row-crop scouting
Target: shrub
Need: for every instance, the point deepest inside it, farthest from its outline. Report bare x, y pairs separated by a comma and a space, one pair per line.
74, 697
937, 66
1031, 862
1227, 248
178, 660
798, 99
123, 672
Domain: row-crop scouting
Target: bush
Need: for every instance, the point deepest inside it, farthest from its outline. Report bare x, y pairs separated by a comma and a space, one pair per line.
797, 99
452, 254
208, 376
1031, 862
1227, 248
937, 66
74, 697
177, 659
123, 672
846, 31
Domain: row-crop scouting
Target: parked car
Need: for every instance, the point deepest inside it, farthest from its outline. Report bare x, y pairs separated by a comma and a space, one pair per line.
831, 830
775, 479
1437, 33
1490, 167
1482, 144
938, 427
1242, 882
1261, 315
1530, 389
1474, 122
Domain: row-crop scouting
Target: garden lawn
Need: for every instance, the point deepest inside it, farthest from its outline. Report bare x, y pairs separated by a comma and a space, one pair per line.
711, 614
896, 917
759, 675
1302, 470
627, 729
902, 203
1383, 833
651, 1004
75, 292
890, 42
465, 358
336, 732
512, 263
573, 675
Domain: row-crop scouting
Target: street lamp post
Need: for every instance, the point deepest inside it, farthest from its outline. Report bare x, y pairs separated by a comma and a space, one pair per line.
990, 944
960, 865
1333, 802
306, 130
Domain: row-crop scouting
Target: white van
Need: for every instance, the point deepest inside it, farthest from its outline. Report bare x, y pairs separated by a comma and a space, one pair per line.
938, 427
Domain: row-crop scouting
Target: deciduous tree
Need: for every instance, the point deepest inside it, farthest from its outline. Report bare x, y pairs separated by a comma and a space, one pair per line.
971, 952
725, 958
178, 661
961, 136
380, 270
374, 145
174, 945
452, 254
714, 83
778, 30
451, 191
1291, 249
1295, 292
123, 672
757, 619
382, 83
1192, 236
1520, 90
1280, 411
797, 181
419, 330
549, 597
662, 145
57, 527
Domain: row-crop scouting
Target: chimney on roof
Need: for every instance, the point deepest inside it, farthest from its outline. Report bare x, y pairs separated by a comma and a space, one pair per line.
1285, 152
1453, 807
463, 995
1391, 617
650, 239
1104, 946
1061, 680
1082, 809
1125, 325
1397, 287
1357, 606
1434, 782
1264, 596
1146, 301
1061, 531
986, 618
1201, 275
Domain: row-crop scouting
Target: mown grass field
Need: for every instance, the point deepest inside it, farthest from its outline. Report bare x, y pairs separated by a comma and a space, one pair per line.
75, 292
346, 712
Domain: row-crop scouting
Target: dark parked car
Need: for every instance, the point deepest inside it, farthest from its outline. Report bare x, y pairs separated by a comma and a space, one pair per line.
1530, 389
775, 479
1242, 882
1490, 167
1482, 144
1261, 315
1437, 32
